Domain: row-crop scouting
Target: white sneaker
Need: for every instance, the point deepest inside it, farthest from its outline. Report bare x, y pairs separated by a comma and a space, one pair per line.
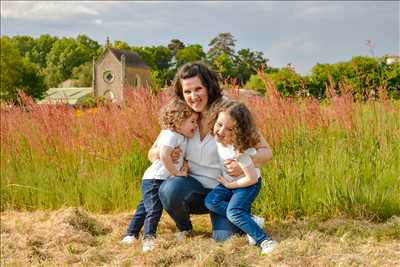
128, 240
267, 246
182, 235
148, 244
260, 222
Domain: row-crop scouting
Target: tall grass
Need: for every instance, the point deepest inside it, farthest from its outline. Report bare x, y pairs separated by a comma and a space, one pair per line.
338, 157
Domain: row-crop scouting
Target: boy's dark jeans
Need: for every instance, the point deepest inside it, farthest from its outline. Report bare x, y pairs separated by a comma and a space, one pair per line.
149, 210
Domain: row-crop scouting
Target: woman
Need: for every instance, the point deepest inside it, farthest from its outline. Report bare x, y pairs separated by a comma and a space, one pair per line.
198, 85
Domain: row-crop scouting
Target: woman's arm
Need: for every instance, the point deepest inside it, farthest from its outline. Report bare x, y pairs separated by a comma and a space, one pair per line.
154, 152
165, 157
264, 153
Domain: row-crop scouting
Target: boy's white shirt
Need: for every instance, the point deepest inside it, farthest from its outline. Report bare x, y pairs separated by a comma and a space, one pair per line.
228, 152
172, 139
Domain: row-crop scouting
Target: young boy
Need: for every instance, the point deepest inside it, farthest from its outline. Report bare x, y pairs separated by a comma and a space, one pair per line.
178, 123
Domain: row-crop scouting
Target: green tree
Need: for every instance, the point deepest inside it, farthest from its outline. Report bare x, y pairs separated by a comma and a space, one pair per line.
66, 54
90, 46
24, 44
11, 69
320, 78
288, 82
33, 82
18, 73
84, 74
248, 63
175, 45
223, 43
365, 77
391, 78
121, 45
188, 54
41, 49
159, 58
225, 66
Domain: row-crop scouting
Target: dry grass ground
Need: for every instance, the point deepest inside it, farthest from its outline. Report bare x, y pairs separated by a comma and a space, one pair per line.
75, 237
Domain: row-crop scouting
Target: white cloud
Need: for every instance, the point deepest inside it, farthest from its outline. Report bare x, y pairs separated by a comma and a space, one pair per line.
39, 10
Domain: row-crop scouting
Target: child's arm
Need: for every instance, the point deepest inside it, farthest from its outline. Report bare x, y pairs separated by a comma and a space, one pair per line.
249, 179
165, 157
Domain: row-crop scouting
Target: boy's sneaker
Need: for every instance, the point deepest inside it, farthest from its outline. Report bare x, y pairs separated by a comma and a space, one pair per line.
267, 246
260, 222
148, 244
128, 240
182, 235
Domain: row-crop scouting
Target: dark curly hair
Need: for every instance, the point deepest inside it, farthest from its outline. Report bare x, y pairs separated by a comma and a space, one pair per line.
174, 113
245, 131
208, 78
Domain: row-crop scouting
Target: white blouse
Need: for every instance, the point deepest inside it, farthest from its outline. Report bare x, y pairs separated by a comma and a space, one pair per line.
204, 163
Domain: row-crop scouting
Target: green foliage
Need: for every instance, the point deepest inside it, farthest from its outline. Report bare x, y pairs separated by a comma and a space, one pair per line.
90, 101
224, 43
11, 73
363, 74
42, 48
66, 54
224, 66
121, 45
391, 78
24, 44
175, 45
61, 59
84, 74
188, 54
33, 82
248, 63
255, 83
18, 73
159, 58
287, 81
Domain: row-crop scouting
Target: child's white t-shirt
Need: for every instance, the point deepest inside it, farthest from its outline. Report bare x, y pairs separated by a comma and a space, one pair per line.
172, 139
228, 152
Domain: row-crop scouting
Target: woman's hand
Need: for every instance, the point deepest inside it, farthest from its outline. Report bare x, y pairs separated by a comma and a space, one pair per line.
175, 154
154, 154
185, 168
233, 168
224, 182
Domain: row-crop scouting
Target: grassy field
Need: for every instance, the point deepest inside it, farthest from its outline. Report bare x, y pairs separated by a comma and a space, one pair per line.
333, 158
75, 237
330, 194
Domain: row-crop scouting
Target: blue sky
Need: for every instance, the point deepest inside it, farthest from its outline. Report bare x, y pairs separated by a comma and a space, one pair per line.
301, 33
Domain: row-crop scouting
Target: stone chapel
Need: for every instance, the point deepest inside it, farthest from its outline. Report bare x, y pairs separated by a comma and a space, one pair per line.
116, 70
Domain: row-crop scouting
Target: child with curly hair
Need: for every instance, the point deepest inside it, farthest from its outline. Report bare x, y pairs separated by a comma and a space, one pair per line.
178, 122
236, 135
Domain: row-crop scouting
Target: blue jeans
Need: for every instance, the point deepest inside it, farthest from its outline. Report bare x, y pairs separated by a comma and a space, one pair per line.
182, 196
148, 211
235, 204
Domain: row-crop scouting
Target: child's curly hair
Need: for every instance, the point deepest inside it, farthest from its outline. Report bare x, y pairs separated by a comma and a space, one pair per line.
245, 131
174, 113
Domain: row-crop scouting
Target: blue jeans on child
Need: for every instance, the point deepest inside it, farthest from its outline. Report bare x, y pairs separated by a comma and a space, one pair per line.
235, 204
182, 196
149, 210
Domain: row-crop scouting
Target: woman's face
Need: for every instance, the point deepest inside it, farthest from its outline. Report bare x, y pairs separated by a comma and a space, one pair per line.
195, 94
